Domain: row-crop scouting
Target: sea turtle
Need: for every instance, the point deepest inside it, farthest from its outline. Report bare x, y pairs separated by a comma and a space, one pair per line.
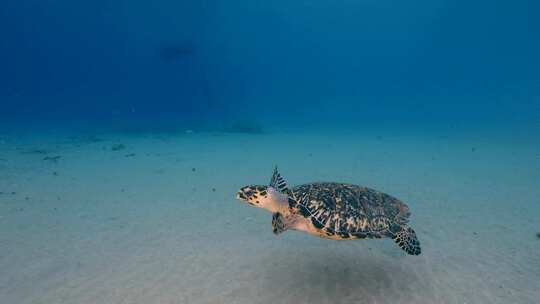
337, 211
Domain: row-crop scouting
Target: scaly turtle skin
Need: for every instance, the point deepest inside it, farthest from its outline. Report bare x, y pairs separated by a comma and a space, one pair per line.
336, 211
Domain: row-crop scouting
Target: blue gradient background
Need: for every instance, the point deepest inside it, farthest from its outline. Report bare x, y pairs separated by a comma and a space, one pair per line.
290, 63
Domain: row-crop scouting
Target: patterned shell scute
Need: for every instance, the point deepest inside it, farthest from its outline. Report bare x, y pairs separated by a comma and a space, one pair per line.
347, 210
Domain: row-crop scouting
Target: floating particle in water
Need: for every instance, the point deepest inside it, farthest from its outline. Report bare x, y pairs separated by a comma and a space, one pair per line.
473, 149
159, 171
55, 173
538, 235
193, 169
130, 155
213, 189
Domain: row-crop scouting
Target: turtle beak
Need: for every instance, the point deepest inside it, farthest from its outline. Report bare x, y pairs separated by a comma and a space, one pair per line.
243, 194
246, 195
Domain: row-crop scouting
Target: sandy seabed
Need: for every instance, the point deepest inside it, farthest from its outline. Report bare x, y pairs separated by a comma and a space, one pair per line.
149, 218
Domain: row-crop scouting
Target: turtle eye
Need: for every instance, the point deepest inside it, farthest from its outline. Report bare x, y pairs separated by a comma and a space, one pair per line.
248, 191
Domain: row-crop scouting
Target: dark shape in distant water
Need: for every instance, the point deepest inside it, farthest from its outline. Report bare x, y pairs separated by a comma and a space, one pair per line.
36, 151
53, 159
174, 52
249, 127
118, 147
538, 235
85, 138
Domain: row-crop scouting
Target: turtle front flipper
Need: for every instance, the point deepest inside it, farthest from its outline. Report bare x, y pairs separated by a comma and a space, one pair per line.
278, 182
278, 223
407, 240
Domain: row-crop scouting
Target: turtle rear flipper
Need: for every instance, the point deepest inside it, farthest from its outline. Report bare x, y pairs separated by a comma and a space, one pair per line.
407, 240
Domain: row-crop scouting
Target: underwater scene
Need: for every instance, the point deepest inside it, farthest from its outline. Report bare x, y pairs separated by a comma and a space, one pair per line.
211, 151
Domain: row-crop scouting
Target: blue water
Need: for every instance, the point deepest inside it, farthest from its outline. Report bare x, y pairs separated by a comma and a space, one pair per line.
126, 128
175, 63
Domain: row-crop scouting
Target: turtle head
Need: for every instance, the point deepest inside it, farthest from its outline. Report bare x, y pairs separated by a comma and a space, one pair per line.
254, 195
262, 196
